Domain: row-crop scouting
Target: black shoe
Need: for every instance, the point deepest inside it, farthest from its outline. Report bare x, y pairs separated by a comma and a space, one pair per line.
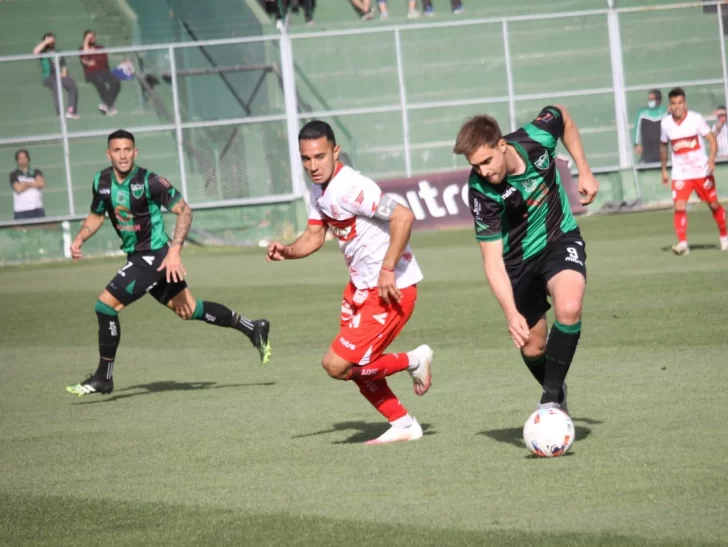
261, 328
92, 385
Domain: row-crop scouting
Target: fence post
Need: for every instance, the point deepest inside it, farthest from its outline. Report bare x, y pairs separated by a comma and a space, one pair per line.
509, 78
403, 103
721, 30
620, 99
64, 134
178, 122
290, 101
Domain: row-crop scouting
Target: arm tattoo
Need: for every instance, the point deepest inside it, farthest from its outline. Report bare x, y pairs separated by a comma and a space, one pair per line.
385, 208
184, 221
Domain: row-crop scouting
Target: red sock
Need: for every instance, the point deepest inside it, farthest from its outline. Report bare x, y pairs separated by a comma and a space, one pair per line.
719, 217
377, 392
385, 366
681, 225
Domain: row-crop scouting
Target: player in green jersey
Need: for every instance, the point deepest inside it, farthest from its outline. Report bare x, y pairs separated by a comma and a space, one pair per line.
531, 245
133, 198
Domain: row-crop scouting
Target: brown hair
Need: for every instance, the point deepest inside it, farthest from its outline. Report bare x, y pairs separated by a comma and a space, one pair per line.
476, 132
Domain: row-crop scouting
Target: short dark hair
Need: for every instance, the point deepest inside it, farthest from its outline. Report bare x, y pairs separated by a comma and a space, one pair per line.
676, 92
48, 35
22, 151
87, 32
120, 134
315, 130
657, 93
478, 131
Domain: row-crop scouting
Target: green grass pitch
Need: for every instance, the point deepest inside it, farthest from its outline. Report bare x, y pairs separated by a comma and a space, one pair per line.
199, 445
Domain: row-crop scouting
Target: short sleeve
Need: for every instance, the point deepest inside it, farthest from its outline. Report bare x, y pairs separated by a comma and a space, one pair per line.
703, 127
314, 213
663, 133
547, 127
97, 204
162, 192
13, 178
487, 216
362, 198
37, 173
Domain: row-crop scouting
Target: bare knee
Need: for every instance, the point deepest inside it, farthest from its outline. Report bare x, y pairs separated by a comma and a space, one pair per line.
533, 350
569, 312
335, 368
680, 206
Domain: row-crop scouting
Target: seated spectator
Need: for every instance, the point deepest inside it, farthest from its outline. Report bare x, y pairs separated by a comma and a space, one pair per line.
96, 71
721, 131
412, 12
456, 5
365, 9
48, 67
27, 184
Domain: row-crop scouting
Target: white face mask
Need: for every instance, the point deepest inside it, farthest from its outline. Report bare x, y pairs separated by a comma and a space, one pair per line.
651, 104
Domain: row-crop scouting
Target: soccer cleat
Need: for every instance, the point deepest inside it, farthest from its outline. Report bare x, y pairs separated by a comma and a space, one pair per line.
681, 248
261, 328
724, 243
563, 403
422, 375
397, 434
92, 385
546, 406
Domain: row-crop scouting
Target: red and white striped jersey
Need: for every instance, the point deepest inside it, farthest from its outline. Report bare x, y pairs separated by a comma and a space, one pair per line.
347, 209
689, 159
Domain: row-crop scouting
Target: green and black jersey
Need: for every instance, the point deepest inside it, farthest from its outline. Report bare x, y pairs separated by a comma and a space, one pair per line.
530, 210
134, 206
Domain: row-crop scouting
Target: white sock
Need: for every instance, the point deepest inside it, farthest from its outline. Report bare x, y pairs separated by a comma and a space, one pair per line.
403, 422
414, 362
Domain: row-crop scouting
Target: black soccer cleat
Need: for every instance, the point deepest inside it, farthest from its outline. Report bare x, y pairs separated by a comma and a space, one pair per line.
92, 385
261, 328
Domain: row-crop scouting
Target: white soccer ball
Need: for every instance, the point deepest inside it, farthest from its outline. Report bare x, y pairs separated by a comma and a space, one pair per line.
548, 433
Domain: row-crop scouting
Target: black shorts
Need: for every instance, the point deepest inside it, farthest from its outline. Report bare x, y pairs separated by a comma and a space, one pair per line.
530, 278
140, 276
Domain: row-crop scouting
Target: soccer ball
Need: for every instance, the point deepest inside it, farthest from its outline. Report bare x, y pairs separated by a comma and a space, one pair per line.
548, 433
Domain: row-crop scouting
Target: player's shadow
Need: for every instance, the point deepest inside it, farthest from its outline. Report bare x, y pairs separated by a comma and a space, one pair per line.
363, 431
514, 435
169, 385
698, 247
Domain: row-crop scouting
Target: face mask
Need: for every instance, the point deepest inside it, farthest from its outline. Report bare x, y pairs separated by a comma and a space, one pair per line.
651, 104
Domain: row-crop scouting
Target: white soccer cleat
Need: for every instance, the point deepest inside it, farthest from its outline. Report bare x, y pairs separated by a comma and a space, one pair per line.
422, 375
397, 434
724, 243
681, 248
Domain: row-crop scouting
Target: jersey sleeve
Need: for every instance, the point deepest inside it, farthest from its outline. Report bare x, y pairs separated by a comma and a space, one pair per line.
663, 132
13, 178
362, 198
162, 192
314, 213
547, 127
487, 216
703, 127
37, 173
97, 204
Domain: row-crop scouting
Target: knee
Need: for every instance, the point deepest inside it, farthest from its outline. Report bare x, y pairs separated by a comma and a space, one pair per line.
334, 369
569, 312
680, 206
183, 312
714, 205
533, 351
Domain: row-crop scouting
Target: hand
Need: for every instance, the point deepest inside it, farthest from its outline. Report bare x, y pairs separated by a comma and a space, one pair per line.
518, 328
588, 187
76, 253
711, 167
665, 177
173, 263
276, 252
638, 149
387, 286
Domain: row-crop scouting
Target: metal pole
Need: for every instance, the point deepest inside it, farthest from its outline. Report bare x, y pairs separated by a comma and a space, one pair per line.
291, 102
721, 29
509, 77
64, 135
178, 121
620, 99
403, 103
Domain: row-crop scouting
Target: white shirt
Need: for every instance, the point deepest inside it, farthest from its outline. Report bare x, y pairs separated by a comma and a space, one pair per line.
689, 160
722, 138
347, 208
29, 200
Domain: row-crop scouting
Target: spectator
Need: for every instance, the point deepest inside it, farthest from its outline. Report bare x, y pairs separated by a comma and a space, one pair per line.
96, 71
412, 12
647, 128
48, 67
721, 131
27, 184
457, 7
365, 9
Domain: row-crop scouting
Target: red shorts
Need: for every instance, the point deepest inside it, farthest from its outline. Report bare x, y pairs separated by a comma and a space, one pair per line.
368, 325
704, 187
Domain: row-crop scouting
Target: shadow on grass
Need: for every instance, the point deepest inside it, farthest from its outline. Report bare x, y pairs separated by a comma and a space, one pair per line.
362, 431
170, 385
514, 435
699, 247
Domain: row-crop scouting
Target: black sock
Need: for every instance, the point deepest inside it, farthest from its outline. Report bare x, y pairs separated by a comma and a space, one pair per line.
109, 338
560, 350
536, 365
222, 316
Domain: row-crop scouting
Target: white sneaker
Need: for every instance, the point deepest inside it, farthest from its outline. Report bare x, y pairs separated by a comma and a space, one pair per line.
422, 375
413, 14
681, 248
103, 107
724, 243
111, 112
396, 434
